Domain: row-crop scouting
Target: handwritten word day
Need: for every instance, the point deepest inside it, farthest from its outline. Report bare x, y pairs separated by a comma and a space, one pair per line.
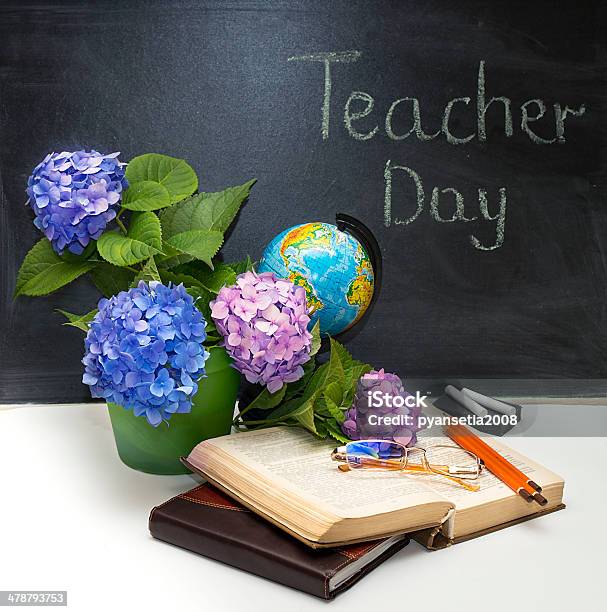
360, 105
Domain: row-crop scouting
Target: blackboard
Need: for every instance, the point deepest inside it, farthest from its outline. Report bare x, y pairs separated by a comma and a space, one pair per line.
239, 89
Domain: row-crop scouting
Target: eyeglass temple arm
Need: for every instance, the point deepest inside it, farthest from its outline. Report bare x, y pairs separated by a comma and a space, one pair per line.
419, 470
391, 464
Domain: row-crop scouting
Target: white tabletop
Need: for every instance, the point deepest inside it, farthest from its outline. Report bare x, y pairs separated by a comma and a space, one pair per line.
73, 517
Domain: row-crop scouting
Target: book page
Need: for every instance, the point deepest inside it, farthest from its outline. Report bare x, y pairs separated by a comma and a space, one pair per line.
296, 461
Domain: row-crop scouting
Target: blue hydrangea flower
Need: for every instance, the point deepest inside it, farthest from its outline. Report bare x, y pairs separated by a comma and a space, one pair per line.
74, 196
144, 351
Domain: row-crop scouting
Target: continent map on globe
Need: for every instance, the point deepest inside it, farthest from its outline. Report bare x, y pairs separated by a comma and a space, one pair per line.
331, 265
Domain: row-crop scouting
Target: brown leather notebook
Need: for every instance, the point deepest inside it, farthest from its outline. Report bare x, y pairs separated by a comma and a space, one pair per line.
207, 522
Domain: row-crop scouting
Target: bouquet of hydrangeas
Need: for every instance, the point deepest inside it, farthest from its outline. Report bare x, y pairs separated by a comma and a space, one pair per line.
149, 239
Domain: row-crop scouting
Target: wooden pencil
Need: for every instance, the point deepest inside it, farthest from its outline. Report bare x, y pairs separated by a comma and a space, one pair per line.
496, 463
463, 431
466, 432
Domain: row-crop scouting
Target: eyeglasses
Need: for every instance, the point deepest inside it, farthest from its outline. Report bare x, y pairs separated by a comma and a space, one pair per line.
451, 462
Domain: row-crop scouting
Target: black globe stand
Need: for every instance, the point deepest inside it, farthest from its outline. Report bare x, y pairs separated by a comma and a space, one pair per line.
346, 223
364, 235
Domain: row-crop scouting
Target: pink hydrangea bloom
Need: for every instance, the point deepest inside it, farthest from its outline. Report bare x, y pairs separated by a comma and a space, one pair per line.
264, 322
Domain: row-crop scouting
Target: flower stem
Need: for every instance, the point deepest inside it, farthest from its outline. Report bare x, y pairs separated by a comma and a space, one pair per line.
241, 412
121, 225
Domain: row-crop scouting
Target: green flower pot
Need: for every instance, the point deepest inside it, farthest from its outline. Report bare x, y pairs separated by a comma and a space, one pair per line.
157, 450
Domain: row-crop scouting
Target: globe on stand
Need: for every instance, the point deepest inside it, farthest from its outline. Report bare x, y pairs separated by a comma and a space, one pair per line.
332, 266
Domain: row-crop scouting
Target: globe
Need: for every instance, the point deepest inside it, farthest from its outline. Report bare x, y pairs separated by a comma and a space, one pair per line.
331, 265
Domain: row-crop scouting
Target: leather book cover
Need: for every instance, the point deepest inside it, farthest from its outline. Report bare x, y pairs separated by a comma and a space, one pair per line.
206, 521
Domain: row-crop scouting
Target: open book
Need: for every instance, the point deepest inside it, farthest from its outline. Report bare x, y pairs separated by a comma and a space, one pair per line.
287, 476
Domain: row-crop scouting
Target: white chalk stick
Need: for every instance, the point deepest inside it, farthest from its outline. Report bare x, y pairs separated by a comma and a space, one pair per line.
490, 402
465, 401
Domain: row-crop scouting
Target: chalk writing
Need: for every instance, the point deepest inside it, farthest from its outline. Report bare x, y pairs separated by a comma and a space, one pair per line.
403, 119
458, 214
333, 57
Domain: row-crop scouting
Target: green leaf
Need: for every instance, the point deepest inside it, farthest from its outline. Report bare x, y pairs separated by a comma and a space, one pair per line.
285, 410
220, 208
79, 321
335, 392
213, 280
212, 335
222, 276
201, 295
240, 267
317, 380
335, 431
321, 428
201, 244
330, 401
43, 271
143, 240
346, 359
357, 369
146, 195
336, 369
208, 211
316, 340
148, 273
300, 410
111, 280
305, 416
355, 372
266, 400
334, 410
169, 251
327, 373
352, 377
145, 227
175, 175
86, 254
297, 387
171, 257
168, 276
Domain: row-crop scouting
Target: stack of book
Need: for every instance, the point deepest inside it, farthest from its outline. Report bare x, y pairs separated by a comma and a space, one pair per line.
274, 504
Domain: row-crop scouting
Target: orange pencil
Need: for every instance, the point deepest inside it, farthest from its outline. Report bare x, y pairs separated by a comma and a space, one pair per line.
485, 451
494, 465
498, 465
463, 431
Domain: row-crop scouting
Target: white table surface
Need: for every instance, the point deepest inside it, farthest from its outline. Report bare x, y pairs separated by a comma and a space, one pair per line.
73, 517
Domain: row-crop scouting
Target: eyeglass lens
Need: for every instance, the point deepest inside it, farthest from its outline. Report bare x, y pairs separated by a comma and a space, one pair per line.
375, 454
452, 461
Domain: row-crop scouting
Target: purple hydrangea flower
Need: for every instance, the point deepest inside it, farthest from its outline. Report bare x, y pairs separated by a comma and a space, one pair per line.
264, 322
350, 426
144, 351
74, 196
382, 394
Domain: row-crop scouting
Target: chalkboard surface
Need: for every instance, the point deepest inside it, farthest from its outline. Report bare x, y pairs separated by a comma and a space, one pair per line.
491, 215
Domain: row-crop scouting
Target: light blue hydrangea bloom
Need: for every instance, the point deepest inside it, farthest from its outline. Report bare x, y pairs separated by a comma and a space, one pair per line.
144, 351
